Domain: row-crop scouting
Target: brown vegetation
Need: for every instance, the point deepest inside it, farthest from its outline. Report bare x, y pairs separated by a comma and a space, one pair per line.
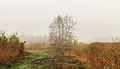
38, 46
95, 55
10, 48
100, 55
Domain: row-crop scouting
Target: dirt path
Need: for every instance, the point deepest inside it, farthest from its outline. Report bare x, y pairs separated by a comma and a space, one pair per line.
44, 59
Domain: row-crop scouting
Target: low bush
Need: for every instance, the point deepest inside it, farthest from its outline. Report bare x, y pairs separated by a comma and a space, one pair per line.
10, 48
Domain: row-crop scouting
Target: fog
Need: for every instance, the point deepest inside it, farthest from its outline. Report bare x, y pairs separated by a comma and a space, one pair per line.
95, 18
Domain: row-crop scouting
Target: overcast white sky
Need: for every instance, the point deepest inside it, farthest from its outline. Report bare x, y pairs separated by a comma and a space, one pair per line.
95, 18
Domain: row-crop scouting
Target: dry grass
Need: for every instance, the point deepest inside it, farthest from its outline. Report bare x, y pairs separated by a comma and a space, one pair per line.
37, 46
6, 56
100, 55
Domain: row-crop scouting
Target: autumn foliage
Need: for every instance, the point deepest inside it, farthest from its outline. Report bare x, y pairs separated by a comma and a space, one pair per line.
100, 55
10, 48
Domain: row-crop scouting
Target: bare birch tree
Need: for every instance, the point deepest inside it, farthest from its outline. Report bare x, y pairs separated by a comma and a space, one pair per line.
61, 31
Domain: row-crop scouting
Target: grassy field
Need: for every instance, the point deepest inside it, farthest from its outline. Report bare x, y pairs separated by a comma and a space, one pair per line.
83, 56
27, 61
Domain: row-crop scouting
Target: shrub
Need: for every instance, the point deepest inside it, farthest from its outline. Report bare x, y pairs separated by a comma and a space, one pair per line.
10, 47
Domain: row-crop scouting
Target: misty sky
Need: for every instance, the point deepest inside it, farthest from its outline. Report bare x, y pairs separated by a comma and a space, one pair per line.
95, 18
